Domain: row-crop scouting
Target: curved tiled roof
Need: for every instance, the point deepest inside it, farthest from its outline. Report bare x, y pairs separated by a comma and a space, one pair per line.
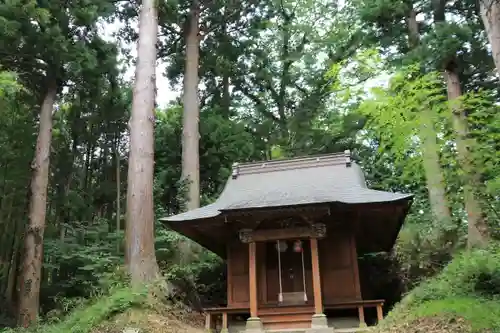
299, 181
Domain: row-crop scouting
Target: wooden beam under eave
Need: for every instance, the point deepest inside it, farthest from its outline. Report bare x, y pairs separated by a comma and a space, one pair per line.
282, 234
249, 214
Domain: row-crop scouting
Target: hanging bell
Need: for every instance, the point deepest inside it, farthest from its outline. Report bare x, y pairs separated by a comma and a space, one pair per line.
297, 246
281, 246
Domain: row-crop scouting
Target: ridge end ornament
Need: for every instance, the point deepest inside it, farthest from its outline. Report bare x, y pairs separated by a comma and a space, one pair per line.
319, 230
246, 235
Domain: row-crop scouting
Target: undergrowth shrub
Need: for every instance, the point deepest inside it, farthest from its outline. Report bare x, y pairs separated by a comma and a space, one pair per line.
88, 264
199, 283
481, 315
473, 273
92, 313
468, 288
424, 252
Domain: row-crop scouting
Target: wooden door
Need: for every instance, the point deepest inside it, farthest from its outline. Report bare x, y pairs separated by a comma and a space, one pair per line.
292, 275
291, 270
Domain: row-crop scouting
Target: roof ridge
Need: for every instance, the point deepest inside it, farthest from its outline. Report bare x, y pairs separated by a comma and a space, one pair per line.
343, 158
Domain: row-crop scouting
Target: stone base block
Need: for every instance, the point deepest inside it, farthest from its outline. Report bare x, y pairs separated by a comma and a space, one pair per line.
319, 321
319, 324
254, 325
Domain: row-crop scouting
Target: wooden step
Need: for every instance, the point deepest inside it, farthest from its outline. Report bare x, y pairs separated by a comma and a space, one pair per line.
286, 320
289, 316
286, 310
280, 325
338, 330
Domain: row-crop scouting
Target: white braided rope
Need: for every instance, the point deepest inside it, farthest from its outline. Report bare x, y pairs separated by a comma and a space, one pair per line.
280, 296
304, 274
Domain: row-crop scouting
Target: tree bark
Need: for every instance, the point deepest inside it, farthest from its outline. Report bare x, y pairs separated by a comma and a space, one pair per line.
478, 232
430, 149
141, 257
118, 196
413, 31
33, 238
433, 172
490, 14
190, 130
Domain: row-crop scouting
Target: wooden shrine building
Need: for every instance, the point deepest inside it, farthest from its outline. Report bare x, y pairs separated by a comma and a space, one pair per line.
291, 232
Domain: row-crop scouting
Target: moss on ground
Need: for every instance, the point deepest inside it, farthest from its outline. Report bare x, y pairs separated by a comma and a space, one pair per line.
463, 298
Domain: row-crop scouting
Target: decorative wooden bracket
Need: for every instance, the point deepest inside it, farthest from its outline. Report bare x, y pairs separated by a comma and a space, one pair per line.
316, 230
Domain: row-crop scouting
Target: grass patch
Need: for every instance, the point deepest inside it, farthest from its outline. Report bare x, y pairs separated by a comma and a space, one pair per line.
86, 318
464, 297
482, 315
145, 309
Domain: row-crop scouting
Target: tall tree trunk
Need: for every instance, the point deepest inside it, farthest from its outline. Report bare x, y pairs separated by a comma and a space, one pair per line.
11, 277
413, 31
478, 232
433, 172
118, 195
141, 257
430, 149
11, 242
490, 13
190, 130
226, 94
33, 239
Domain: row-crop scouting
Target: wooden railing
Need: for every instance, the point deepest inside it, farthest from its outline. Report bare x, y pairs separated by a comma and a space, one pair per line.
360, 305
223, 312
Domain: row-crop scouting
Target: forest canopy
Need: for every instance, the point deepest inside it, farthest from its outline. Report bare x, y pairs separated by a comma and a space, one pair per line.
90, 159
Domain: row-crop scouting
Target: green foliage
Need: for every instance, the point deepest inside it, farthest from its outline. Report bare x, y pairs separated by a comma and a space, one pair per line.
396, 112
224, 142
483, 315
80, 265
485, 120
8, 84
468, 287
93, 313
471, 274
280, 79
422, 252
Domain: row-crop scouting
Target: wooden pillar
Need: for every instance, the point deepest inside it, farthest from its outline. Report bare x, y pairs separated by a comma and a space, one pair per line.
361, 315
208, 322
318, 301
380, 313
224, 323
229, 262
252, 277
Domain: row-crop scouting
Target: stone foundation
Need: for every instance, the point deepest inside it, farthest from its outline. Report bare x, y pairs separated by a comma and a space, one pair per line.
254, 325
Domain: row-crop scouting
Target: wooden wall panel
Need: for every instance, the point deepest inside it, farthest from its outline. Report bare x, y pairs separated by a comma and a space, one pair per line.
238, 283
261, 273
240, 293
338, 267
273, 288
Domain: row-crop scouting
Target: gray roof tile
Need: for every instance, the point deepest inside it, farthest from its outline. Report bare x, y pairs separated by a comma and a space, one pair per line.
311, 180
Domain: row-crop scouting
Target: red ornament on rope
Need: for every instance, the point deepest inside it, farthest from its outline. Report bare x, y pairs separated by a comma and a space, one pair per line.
297, 246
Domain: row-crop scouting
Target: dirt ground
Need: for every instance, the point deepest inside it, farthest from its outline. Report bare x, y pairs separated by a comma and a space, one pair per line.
430, 325
154, 321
